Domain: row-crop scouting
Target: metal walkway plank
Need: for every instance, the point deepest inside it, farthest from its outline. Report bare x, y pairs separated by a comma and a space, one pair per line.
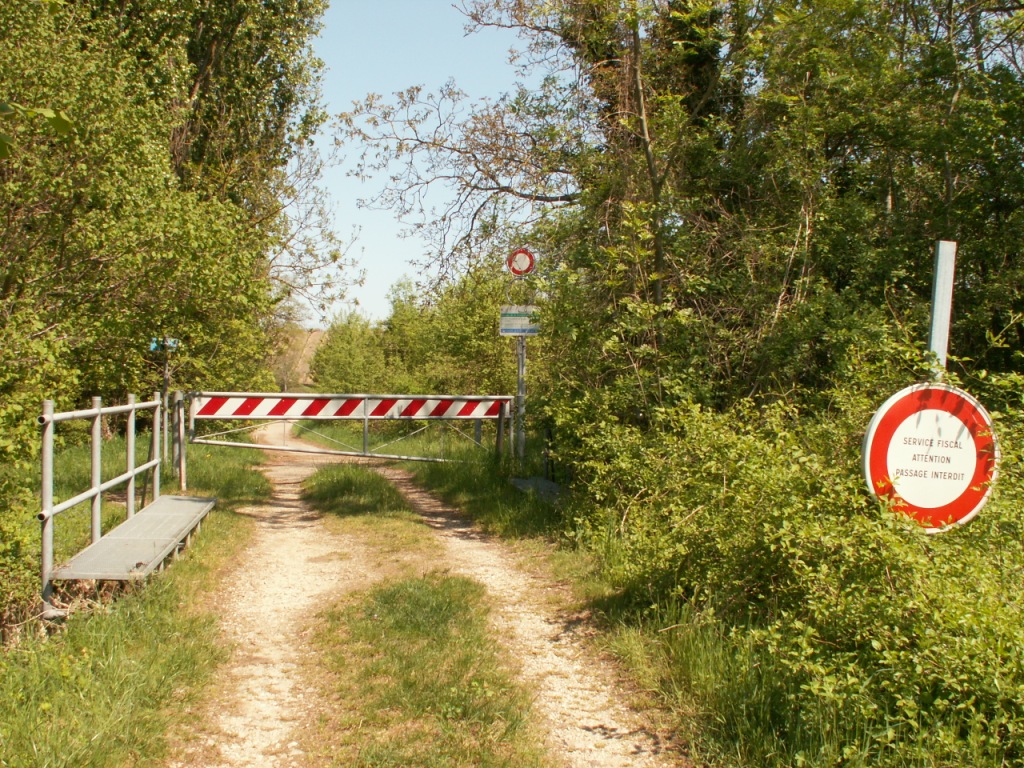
138, 546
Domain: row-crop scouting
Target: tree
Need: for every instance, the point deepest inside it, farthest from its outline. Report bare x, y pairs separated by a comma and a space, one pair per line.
747, 184
350, 359
183, 203
445, 342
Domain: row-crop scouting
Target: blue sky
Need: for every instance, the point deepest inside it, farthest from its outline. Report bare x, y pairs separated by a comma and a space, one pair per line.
384, 46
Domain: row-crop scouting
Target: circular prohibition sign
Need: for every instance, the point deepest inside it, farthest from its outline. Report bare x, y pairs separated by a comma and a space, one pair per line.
521, 262
930, 450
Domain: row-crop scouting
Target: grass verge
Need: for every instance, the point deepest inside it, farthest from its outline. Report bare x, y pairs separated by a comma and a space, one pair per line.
414, 661
107, 686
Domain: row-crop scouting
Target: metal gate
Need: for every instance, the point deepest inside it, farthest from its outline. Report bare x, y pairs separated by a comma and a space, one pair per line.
250, 406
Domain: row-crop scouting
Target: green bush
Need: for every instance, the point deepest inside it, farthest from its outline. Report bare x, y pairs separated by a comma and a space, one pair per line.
843, 634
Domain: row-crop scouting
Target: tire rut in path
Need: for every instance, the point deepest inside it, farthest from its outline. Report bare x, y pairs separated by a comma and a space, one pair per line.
575, 690
292, 569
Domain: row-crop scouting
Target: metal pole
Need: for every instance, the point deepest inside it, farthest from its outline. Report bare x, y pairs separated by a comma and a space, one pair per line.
511, 427
942, 302
97, 469
157, 415
46, 495
499, 441
521, 397
366, 431
179, 438
175, 446
129, 440
164, 399
478, 431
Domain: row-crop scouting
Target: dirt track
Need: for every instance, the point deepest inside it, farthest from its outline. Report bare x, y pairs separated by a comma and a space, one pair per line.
264, 700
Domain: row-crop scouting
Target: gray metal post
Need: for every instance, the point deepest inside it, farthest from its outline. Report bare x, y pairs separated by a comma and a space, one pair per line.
499, 441
521, 397
179, 438
942, 302
129, 441
97, 469
175, 448
46, 494
164, 399
157, 415
511, 428
366, 431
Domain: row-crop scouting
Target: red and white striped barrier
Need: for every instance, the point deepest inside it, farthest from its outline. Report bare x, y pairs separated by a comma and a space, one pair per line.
237, 405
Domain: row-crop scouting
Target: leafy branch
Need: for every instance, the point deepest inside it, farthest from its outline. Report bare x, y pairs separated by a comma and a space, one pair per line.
59, 122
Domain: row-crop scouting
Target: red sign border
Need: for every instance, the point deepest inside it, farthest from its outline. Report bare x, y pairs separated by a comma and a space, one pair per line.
521, 272
896, 410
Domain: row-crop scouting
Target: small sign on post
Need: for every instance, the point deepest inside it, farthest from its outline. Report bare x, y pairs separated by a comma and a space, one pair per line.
519, 320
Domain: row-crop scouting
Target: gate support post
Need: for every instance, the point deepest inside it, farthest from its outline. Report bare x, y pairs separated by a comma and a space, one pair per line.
129, 441
499, 440
157, 416
46, 493
97, 469
179, 439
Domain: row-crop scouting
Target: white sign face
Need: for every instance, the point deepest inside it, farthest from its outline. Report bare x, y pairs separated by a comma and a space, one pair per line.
518, 320
932, 458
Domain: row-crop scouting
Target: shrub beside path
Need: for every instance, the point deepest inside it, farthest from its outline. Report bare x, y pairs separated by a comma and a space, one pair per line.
263, 700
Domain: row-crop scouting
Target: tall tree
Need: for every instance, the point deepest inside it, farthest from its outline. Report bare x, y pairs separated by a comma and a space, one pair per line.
746, 186
155, 181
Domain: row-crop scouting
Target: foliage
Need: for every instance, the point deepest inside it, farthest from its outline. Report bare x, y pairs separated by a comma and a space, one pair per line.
444, 342
161, 184
350, 359
832, 630
739, 275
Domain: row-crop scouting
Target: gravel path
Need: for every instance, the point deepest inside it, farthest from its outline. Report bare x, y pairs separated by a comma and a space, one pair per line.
261, 702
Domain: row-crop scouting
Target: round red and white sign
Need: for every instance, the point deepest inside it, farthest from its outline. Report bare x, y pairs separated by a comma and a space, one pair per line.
521, 262
931, 451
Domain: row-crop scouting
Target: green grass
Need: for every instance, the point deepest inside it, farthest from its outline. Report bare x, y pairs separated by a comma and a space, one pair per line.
474, 479
413, 661
348, 490
435, 439
415, 669
226, 473
103, 688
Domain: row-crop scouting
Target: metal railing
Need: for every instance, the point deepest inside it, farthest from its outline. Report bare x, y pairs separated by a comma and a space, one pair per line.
98, 487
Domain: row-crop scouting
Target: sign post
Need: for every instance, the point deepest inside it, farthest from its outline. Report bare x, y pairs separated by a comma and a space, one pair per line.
521, 399
518, 320
942, 302
930, 449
